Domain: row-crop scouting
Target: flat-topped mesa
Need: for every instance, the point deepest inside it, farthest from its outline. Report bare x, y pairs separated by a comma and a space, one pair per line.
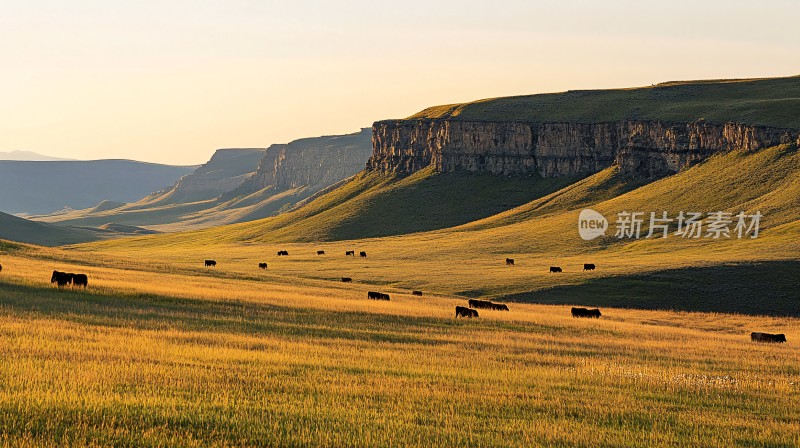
642, 149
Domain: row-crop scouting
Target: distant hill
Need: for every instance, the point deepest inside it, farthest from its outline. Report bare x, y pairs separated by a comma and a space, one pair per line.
237, 185
25, 231
27, 155
32, 187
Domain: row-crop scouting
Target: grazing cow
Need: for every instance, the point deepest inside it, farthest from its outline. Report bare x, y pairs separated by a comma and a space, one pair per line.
283, 252
61, 278
362, 254
499, 307
416, 293
555, 269
509, 262
583, 312
347, 280
377, 295
1, 268
349, 253
475, 303
79, 280
262, 265
211, 263
767, 337
588, 266
320, 252
462, 311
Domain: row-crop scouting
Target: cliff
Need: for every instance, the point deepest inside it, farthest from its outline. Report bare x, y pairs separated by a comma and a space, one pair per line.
314, 163
641, 148
225, 171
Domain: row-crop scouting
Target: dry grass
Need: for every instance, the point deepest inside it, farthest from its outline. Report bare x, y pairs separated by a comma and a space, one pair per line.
194, 357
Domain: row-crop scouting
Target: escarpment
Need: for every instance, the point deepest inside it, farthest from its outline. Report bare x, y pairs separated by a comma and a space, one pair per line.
225, 171
641, 148
313, 163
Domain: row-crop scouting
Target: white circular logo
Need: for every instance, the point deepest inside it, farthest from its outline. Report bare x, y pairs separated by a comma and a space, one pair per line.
591, 224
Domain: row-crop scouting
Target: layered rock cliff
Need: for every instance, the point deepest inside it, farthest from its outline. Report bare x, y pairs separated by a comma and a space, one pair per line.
314, 163
642, 149
225, 171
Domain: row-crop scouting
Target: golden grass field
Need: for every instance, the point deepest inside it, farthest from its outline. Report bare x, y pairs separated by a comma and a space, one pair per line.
163, 352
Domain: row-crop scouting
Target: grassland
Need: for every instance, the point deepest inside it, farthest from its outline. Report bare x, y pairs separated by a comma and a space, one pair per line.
193, 357
162, 351
770, 102
467, 260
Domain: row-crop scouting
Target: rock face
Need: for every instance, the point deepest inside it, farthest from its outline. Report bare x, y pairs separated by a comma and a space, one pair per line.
642, 149
314, 163
225, 171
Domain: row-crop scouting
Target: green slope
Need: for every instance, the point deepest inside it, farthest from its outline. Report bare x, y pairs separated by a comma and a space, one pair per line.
770, 102
372, 205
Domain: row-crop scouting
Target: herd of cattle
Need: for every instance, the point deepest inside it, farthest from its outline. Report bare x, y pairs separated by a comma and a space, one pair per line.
62, 279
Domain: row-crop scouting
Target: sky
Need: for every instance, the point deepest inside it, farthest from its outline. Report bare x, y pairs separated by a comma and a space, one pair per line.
170, 81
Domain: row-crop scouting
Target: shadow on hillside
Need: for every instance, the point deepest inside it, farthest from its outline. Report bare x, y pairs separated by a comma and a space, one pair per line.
765, 288
153, 312
442, 200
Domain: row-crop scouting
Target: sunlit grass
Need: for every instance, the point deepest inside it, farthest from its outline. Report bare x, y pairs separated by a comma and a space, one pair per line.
198, 357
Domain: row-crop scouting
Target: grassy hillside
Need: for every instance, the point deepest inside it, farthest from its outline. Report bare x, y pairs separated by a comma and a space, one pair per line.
373, 205
191, 357
26, 231
770, 102
468, 260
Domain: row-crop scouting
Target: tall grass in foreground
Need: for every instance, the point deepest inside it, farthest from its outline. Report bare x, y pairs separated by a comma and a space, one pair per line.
197, 359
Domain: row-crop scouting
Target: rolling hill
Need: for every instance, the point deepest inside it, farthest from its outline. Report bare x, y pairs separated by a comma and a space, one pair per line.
467, 259
37, 187
27, 155
25, 231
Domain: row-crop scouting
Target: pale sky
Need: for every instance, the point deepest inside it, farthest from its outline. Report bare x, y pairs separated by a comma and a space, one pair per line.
170, 81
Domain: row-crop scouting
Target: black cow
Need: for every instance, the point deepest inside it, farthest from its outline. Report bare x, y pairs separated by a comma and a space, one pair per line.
475, 303
583, 312
79, 280
555, 269
349, 253
283, 252
61, 278
588, 266
362, 254
767, 337
462, 311
262, 265
320, 252
509, 262
499, 307
211, 263
1, 268
416, 293
347, 280
377, 295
